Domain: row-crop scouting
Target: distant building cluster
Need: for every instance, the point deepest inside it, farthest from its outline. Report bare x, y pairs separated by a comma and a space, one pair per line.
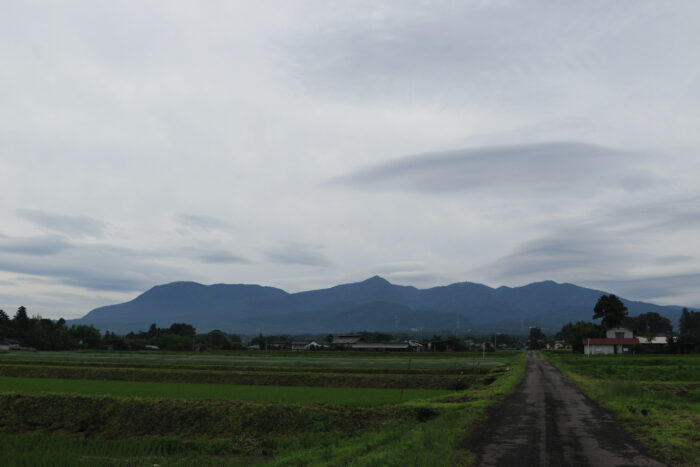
346, 342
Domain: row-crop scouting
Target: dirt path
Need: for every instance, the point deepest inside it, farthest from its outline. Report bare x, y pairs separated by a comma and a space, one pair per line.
549, 422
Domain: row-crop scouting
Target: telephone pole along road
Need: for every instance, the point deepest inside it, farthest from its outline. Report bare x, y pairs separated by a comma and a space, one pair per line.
549, 422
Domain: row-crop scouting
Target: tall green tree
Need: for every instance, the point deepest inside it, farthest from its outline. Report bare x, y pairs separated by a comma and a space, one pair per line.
537, 339
574, 334
217, 339
85, 336
38, 335
5, 324
182, 329
689, 323
21, 323
649, 324
260, 340
611, 310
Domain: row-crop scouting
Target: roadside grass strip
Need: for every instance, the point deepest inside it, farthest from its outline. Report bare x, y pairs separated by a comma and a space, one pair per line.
657, 398
352, 396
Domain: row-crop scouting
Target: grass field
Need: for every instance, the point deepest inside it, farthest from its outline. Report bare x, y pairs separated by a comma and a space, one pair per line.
95, 408
56, 450
322, 360
416, 379
354, 396
330, 369
656, 397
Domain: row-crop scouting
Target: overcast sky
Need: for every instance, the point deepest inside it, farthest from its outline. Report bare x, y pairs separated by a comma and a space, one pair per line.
301, 144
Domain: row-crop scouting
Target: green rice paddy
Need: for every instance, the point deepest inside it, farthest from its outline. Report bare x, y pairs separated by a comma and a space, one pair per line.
325, 360
352, 396
246, 408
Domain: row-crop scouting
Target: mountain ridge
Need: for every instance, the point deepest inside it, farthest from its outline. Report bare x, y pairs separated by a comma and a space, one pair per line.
373, 304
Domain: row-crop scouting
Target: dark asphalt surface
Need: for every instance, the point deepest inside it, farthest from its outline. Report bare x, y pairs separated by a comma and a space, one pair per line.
549, 422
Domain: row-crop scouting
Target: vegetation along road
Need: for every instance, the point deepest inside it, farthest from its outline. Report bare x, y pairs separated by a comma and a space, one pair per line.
548, 421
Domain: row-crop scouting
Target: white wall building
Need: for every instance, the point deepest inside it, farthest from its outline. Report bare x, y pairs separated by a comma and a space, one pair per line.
616, 341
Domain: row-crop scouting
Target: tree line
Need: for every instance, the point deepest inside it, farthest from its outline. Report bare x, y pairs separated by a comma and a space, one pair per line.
612, 313
46, 334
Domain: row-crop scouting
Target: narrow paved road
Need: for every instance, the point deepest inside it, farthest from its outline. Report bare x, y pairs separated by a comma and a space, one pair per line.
549, 422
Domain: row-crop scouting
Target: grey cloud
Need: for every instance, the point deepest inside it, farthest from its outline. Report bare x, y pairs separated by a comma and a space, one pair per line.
204, 253
653, 287
107, 282
298, 253
673, 259
418, 48
561, 254
416, 277
568, 167
94, 267
35, 246
221, 256
75, 226
87, 277
391, 268
202, 222
670, 214
407, 272
587, 255
457, 47
60, 304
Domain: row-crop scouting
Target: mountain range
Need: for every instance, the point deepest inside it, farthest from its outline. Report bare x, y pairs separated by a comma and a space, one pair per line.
374, 305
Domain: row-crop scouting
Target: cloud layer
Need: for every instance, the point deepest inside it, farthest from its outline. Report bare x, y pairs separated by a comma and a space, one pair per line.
306, 144
75, 226
567, 168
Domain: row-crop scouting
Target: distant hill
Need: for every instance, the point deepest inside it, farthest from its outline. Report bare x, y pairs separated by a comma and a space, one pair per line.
374, 304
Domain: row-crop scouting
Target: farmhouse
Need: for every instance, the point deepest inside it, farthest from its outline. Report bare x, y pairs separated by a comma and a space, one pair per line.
616, 341
345, 341
441, 346
9, 344
279, 345
306, 345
